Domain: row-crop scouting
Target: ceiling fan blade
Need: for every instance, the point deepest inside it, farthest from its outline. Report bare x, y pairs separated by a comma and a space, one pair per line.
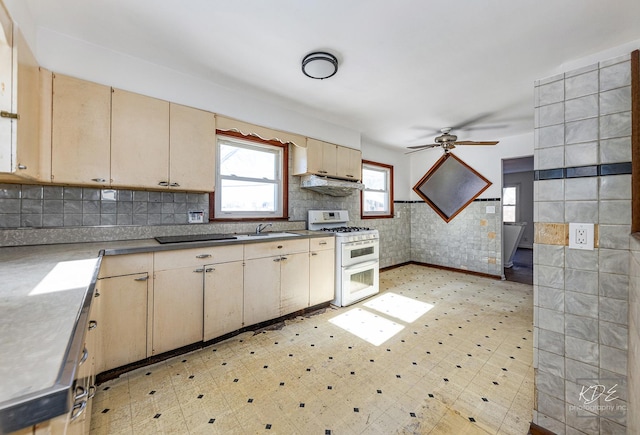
486, 127
475, 120
419, 147
471, 142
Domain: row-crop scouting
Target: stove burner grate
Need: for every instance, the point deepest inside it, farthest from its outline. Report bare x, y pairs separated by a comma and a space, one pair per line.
346, 229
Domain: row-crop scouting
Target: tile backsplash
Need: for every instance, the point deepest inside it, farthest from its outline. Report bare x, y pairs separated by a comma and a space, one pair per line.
36, 206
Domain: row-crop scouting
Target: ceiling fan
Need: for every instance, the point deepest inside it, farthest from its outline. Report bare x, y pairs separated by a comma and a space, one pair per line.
448, 141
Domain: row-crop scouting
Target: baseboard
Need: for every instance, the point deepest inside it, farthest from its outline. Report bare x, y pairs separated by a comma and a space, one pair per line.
534, 429
453, 269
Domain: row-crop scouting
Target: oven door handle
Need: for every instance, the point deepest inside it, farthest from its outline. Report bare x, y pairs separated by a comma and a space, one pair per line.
361, 266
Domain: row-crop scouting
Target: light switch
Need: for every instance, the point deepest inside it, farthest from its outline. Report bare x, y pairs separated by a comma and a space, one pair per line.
581, 236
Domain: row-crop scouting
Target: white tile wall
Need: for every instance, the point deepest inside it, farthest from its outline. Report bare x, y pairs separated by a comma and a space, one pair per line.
581, 297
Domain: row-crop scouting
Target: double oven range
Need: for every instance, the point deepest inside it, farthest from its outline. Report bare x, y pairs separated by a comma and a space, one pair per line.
357, 255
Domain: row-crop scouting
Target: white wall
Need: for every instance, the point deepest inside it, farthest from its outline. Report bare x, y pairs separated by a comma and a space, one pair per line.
63, 54
487, 160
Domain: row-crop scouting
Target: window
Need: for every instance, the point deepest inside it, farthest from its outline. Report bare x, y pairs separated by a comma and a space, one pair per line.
377, 197
250, 179
510, 203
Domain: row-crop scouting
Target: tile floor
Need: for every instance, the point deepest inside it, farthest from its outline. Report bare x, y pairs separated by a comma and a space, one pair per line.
463, 367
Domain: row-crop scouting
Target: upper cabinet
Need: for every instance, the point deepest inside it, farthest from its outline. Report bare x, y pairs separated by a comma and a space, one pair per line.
139, 140
192, 147
109, 137
327, 159
20, 88
80, 132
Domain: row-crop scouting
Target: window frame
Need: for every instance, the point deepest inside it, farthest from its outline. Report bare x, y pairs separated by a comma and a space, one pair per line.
516, 186
389, 191
284, 181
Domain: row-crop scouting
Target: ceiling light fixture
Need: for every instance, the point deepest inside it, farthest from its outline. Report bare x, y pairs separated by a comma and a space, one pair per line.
319, 65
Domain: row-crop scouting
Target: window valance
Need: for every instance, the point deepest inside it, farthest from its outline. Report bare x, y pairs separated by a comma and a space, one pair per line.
246, 129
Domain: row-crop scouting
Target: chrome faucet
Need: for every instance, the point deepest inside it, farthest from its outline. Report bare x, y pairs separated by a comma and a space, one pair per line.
262, 227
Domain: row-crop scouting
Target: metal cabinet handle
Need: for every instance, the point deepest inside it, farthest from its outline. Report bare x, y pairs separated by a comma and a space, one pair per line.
85, 355
5, 114
322, 243
348, 175
210, 269
92, 391
81, 393
280, 246
283, 258
99, 180
174, 184
21, 166
96, 294
322, 172
78, 410
277, 259
203, 256
92, 325
163, 183
142, 278
199, 270
314, 254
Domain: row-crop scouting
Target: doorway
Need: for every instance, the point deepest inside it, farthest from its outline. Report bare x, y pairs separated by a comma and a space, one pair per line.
517, 215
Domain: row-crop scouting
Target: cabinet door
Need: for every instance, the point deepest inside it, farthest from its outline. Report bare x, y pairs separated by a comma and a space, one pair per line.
28, 126
6, 91
261, 290
192, 149
81, 132
20, 98
92, 343
122, 320
321, 157
349, 163
294, 275
322, 266
223, 298
139, 140
177, 308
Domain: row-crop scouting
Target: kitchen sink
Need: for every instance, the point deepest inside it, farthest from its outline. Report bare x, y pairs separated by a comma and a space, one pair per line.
268, 235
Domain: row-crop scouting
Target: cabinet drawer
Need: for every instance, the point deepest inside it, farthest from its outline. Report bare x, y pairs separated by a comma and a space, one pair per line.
322, 243
197, 256
270, 249
117, 265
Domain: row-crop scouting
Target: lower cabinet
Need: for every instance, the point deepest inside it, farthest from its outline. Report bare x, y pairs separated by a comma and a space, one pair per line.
223, 298
322, 264
276, 279
151, 303
122, 320
177, 308
261, 290
193, 292
294, 283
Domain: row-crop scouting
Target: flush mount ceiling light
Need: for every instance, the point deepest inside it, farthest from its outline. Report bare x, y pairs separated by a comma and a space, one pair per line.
319, 65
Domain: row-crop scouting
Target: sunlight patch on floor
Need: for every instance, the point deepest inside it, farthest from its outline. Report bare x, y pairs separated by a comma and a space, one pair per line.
398, 306
368, 326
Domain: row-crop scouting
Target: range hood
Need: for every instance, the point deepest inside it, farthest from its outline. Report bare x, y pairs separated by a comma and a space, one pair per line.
330, 186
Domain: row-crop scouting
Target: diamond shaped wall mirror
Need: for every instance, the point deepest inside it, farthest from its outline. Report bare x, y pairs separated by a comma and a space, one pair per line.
450, 185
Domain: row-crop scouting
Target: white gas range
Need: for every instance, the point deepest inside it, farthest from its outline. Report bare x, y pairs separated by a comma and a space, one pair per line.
357, 255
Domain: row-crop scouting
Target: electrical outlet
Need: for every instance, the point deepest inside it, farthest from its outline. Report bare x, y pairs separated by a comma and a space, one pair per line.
581, 236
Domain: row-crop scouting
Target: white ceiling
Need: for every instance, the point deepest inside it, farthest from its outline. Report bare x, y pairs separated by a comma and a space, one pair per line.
407, 67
